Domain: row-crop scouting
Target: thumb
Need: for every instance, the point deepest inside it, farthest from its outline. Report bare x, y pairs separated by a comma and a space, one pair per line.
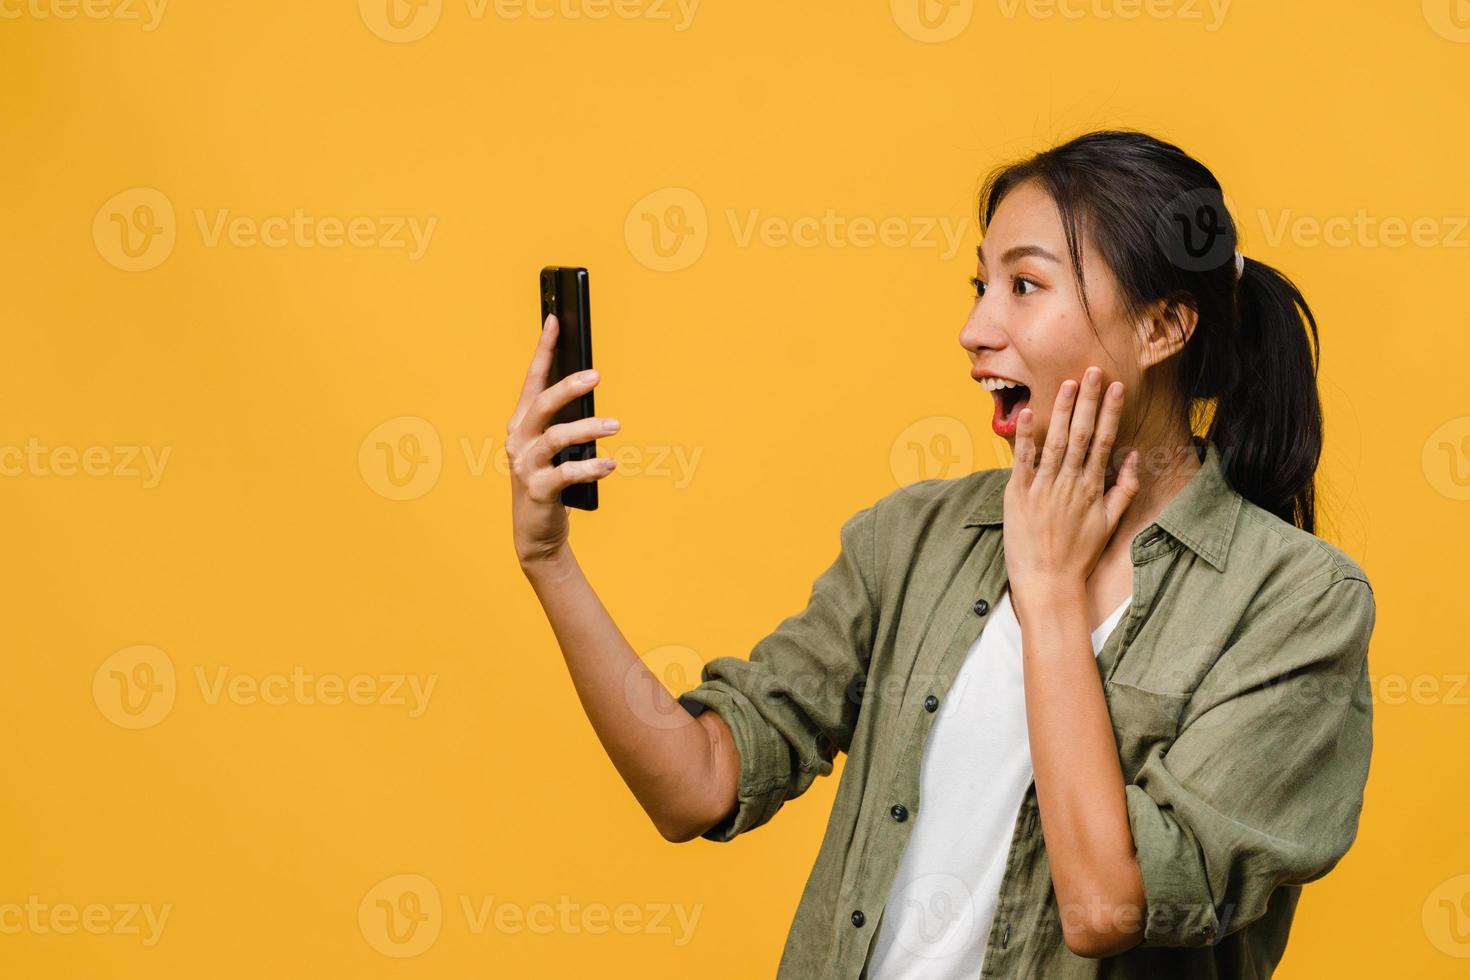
1124, 489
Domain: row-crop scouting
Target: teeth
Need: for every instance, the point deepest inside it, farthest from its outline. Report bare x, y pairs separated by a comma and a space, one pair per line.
996, 384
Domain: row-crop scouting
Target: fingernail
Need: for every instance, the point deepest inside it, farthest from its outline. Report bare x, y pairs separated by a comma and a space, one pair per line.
610, 425
589, 377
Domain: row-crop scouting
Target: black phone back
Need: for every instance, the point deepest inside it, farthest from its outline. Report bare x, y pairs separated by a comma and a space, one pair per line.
565, 291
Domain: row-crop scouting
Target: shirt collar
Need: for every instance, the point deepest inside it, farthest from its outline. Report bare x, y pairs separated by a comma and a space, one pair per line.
1201, 516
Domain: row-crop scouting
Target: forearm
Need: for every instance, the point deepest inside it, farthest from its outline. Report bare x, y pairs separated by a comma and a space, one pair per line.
678, 767
1079, 782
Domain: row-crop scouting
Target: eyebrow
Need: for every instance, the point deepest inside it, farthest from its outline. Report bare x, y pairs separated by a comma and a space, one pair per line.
1019, 252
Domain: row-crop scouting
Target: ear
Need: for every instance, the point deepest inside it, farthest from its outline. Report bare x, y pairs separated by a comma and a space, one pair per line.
1166, 327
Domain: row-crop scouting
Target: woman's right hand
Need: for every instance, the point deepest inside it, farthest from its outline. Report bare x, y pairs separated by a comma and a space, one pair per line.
537, 513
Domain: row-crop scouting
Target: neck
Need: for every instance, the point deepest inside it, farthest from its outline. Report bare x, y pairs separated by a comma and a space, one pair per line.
1164, 467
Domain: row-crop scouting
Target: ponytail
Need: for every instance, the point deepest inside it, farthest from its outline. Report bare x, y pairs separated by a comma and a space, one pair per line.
1267, 423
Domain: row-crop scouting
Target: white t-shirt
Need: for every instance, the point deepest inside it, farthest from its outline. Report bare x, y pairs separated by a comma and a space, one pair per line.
975, 772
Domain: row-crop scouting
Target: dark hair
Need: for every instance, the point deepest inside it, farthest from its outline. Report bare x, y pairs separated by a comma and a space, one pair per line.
1158, 218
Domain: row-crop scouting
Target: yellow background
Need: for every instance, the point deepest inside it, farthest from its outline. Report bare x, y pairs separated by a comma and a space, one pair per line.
794, 379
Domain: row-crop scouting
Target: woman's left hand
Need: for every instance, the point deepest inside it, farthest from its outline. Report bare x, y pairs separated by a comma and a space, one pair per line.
1058, 518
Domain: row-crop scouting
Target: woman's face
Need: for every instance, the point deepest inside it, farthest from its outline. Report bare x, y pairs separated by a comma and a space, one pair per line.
1028, 324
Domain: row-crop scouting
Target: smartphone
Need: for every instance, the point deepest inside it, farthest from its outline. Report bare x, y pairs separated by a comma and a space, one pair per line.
565, 292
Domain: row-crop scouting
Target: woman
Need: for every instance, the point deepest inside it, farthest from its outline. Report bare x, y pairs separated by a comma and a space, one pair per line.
1105, 710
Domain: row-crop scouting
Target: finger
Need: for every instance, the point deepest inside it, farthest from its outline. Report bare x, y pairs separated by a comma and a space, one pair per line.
549, 481
565, 434
1056, 430
535, 381
1084, 420
1024, 470
1105, 437
546, 404
1124, 489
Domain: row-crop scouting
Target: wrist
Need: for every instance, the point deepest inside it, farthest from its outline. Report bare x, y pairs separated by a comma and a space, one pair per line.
549, 567
1053, 587
1051, 596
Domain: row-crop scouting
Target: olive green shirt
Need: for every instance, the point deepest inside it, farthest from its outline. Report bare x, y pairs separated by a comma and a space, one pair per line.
1236, 682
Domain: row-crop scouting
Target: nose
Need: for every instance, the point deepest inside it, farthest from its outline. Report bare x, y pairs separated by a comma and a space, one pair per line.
982, 329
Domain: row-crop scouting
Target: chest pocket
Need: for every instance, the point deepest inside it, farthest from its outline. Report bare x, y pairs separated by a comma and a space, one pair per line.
1144, 722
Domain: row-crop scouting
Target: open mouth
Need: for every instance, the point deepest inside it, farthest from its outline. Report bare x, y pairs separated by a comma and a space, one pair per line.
1010, 397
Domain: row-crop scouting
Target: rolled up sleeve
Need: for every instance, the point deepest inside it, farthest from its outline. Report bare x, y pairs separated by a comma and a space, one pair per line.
1263, 784
790, 706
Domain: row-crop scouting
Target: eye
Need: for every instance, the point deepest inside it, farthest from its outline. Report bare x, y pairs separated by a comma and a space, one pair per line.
979, 285
1018, 281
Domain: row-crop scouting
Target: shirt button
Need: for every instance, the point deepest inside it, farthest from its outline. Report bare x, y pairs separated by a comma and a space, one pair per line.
858, 918
931, 703
981, 607
898, 812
